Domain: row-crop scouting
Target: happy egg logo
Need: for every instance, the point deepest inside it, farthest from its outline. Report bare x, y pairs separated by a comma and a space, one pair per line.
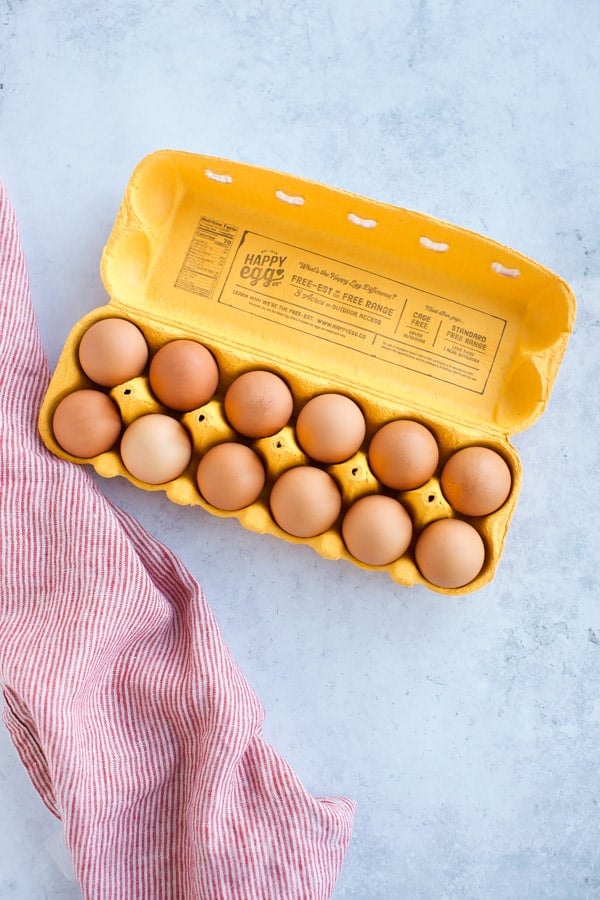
265, 269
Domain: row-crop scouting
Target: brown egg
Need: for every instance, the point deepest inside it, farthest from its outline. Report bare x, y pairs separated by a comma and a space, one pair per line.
230, 476
330, 428
155, 448
403, 454
476, 481
377, 530
449, 553
112, 351
258, 404
86, 423
305, 501
183, 375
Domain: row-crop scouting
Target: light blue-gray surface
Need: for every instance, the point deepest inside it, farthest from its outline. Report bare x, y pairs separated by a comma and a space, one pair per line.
467, 730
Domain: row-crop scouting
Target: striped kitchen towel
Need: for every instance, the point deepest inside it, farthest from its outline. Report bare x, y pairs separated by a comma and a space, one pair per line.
132, 719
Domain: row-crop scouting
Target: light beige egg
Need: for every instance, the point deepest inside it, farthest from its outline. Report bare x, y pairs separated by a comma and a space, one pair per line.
112, 351
155, 448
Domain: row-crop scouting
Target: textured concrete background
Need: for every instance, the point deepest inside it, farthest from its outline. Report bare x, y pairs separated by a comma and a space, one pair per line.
467, 730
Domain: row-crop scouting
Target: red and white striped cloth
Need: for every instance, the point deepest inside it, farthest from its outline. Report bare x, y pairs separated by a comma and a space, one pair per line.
134, 723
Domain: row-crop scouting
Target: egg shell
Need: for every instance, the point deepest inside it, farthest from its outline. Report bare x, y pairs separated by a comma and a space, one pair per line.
86, 423
155, 448
403, 454
305, 501
377, 529
450, 553
258, 404
476, 481
330, 428
183, 375
112, 350
230, 476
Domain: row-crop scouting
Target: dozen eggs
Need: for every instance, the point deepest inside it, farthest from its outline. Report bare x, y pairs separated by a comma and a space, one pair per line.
305, 500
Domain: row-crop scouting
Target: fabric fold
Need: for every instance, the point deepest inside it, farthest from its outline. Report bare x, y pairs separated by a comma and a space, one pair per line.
135, 724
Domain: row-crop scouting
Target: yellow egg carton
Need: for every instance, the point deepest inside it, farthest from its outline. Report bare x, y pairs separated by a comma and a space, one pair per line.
411, 317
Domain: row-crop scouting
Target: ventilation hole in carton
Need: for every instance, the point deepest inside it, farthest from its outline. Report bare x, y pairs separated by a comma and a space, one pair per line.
364, 223
216, 176
278, 445
355, 471
431, 498
127, 392
292, 199
201, 417
437, 246
499, 269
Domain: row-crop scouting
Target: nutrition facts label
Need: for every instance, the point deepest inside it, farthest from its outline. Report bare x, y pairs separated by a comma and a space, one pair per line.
206, 257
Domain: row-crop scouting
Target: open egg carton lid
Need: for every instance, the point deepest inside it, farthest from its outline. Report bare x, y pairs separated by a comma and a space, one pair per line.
387, 302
